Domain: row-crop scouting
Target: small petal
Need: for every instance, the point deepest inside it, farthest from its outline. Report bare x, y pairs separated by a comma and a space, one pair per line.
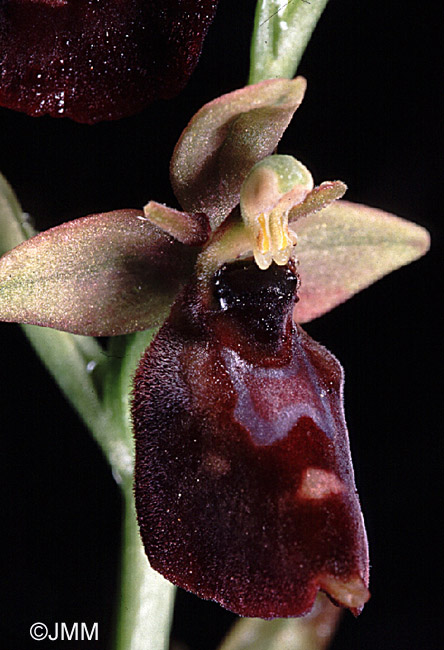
101, 275
225, 139
244, 486
91, 60
318, 199
345, 248
193, 230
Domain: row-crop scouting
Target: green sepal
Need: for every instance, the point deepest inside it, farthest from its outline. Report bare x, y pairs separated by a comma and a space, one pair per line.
101, 275
223, 141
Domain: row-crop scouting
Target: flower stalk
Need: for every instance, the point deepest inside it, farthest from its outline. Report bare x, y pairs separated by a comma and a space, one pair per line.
281, 33
146, 599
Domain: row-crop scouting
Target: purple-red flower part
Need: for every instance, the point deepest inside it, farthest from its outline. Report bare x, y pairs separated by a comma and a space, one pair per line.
93, 60
244, 485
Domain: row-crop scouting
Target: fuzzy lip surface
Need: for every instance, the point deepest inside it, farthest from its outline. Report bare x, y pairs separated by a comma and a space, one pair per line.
93, 61
244, 485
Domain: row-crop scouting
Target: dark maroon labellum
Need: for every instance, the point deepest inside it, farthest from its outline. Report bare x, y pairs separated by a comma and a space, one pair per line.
94, 60
244, 485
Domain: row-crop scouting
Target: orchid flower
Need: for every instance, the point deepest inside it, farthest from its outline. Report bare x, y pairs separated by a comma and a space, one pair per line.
99, 60
244, 485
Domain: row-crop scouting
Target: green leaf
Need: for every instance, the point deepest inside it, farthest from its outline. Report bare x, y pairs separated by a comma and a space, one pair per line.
225, 139
101, 275
346, 247
311, 632
282, 29
75, 362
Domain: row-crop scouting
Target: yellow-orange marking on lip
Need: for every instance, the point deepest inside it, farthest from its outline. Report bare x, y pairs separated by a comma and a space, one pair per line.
319, 484
351, 593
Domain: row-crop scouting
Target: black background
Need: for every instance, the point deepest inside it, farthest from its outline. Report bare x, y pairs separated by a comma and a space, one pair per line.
370, 118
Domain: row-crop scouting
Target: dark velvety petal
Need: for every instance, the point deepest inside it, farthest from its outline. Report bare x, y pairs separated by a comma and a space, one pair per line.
225, 139
92, 60
244, 485
101, 275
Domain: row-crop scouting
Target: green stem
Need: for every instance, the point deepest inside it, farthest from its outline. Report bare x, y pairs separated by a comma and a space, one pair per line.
146, 598
282, 29
74, 362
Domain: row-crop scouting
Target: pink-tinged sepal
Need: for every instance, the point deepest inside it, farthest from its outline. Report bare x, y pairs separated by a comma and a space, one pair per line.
244, 484
344, 248
100, 275
223, 141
